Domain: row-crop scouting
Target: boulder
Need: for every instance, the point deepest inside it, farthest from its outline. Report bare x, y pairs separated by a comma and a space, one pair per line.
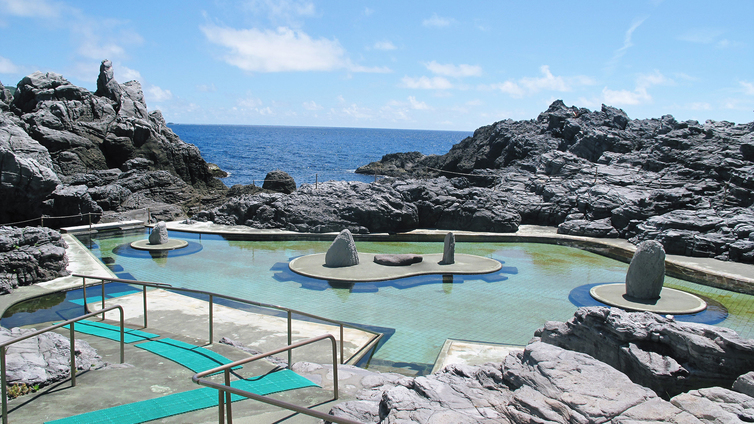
30, 255
342, 252
646, 273
405, 259
44, 359
159, 234
668, 356
745, 384
280, 182
449, 249
716, 405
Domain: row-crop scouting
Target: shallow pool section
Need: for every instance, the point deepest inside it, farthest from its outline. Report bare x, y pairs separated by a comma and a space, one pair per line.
505, 307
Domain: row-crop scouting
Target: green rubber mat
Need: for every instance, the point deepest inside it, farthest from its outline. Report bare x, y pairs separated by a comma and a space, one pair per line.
98, 298
195, 358
192, 400
112, 332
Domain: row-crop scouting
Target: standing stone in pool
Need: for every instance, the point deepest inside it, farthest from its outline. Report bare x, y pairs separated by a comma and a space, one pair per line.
449, 250
646, 273
342, 251
159, 234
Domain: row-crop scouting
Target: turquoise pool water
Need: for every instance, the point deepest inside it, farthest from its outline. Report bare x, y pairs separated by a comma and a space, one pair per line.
421, 312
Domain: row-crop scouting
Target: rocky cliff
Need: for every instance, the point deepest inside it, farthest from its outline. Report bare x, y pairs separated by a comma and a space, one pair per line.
601, 174
67, 151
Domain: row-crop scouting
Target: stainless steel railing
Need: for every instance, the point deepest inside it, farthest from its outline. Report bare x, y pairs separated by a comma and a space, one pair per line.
225, 390
71, 322
212, 296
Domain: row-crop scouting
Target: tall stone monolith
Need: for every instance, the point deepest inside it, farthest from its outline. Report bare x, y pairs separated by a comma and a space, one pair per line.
342, 251
646, 273
449, 250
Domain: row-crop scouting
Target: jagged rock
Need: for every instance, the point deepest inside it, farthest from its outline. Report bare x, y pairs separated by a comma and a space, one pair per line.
668, 356
601, 174
646, 273
404, 259
449, 249
159, 234
44, 359
342, 252
745, 384
280, 182
30, 255
717, 405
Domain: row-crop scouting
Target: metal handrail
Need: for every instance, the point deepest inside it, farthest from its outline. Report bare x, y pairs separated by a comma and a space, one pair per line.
211, 295
224, 402
70, 322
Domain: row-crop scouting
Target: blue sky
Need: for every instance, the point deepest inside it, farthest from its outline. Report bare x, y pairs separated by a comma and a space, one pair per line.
395, 64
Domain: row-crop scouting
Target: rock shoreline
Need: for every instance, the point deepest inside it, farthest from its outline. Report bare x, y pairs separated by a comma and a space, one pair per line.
591, 369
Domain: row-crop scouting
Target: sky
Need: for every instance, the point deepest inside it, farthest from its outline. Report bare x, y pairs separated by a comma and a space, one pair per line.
441, 65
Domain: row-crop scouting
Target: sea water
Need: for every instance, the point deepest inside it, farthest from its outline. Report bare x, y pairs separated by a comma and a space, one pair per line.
308, 154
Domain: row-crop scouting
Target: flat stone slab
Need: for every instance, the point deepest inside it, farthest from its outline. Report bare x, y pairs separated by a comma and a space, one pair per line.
367, 270
671, 301
472, 353
172, 244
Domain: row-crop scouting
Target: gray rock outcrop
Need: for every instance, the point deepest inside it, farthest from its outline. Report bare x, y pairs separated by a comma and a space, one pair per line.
44, 359
449, 249
646, 273
599, 173
400, 259
54, 136
667, 356
280, 182
342, 252
159, 234
30, 255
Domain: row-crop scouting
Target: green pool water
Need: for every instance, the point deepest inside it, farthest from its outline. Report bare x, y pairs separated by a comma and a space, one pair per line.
421, 312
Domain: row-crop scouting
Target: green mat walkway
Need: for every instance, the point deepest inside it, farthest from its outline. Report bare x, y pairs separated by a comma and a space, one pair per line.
192, 400
112, 332
195, 358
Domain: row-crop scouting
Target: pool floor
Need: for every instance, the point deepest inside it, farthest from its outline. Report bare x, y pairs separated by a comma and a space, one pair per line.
419, 313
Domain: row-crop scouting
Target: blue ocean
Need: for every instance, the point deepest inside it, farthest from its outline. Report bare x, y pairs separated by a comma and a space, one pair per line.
248, 153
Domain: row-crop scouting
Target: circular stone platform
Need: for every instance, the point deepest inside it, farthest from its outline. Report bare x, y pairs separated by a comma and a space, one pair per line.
367, 270
172, 244
671, 301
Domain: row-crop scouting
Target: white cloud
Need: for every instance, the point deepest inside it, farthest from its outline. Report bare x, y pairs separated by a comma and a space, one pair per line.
457, 71
640, 94
30, 8
281, 50
8, 67
426, 83
368, 11
384, 45
436, 21
357, 112
748, 87
627, 43
154, 93
701, 35
124, 73
340, 98
699, 106
415, 104
547, 82
249, 102
312, 105
206, 88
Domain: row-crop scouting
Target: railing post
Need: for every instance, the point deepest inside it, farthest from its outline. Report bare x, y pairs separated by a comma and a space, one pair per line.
4, 388
334, 369
73, 358
86, 307
341, 343
221, 406
211, 319
228, 397
103, 299
122, 337
290, 339
144, 295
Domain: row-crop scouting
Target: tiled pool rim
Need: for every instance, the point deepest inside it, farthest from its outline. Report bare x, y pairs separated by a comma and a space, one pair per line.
724, 275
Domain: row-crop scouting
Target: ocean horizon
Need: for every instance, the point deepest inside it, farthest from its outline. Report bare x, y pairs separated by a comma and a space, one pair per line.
309, 154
